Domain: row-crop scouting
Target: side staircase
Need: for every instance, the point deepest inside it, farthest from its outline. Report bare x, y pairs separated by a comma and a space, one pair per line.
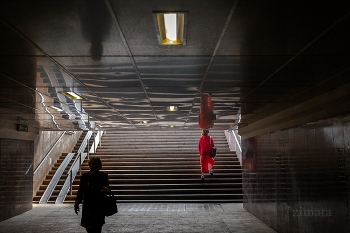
62, 179
164, 166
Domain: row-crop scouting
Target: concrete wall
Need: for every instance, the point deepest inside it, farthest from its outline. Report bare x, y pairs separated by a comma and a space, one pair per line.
42, 144
297, 179
20, 154
16, 177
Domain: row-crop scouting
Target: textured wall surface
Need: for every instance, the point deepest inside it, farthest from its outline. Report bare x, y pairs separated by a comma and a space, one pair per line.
297, 180
16, 177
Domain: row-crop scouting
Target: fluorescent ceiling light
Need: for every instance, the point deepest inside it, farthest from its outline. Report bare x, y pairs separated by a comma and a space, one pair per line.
171, 28
171, 108
72, 95
56, 108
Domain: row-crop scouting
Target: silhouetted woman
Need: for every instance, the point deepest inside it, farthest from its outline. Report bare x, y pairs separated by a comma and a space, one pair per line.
93, 189
204, 147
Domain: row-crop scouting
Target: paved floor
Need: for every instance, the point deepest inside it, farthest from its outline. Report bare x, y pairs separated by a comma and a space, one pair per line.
201, 218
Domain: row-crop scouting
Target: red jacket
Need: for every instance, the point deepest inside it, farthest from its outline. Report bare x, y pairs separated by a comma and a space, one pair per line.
204, 145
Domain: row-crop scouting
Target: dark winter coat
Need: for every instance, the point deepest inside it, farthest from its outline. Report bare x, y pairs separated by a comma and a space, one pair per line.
91, 194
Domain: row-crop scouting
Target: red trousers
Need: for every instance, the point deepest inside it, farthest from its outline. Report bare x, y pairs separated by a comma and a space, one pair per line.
207, 163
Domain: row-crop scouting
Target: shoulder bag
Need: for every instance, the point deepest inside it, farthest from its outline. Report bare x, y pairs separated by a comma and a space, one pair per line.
213, 150
110, 205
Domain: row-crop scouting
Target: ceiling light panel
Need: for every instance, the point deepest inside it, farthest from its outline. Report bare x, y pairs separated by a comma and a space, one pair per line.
72, 95
171, 108
171, 27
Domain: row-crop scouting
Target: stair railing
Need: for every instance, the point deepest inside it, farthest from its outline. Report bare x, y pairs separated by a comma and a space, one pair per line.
238, 146
76, 167
234, 142
56, 177
48, 153
97, 141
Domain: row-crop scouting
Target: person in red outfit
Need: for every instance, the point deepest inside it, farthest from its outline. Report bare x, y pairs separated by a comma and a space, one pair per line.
204, 147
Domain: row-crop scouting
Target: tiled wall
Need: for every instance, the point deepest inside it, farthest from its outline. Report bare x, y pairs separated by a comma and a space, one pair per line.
297, 180
16, 177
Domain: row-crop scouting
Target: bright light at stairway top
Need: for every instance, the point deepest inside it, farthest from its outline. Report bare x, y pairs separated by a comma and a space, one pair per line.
171, 28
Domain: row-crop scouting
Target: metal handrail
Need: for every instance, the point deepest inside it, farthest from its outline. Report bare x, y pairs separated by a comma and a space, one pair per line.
82, 149
237, 142
47, 154
97, 142
50, 188
56, 177
72, 172
239, 152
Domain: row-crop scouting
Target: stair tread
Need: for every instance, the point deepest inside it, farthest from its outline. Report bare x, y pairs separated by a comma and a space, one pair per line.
166, 169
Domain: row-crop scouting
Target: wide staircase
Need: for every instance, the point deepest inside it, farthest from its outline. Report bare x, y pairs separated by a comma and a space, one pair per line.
62, 179
164, 166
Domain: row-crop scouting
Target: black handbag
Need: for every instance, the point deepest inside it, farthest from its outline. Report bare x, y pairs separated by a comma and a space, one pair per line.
110, 205
213, 150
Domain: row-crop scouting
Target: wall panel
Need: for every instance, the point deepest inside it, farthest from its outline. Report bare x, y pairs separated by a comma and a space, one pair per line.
16, 177
297, 180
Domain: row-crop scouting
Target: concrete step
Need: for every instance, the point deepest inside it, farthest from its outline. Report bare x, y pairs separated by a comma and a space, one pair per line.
167, 171
238, 200
165, 197
158, 166
218, 164
208, 179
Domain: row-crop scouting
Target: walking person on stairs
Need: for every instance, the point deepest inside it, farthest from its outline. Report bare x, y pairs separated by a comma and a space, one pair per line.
204, 146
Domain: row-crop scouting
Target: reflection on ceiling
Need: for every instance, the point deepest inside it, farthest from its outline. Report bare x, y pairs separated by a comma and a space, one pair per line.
251, 58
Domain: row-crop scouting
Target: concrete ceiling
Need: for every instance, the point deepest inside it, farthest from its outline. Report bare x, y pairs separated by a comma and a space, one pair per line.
253, 57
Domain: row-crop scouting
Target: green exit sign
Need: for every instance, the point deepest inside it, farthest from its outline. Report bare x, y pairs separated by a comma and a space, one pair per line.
21, 127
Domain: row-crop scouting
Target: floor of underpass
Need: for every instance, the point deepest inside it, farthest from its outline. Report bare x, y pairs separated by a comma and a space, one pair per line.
167, 217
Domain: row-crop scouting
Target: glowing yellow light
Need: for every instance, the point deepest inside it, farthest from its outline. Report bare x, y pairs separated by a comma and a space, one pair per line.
72, 95
144, 122
170, 26
171, 108
171, 126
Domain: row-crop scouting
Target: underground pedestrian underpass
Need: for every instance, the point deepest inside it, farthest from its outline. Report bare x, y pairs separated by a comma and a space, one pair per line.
135, 82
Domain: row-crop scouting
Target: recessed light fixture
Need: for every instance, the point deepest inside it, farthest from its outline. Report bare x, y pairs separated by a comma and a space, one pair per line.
72, 95
171, 126
171, 108
144, 122
171, 27
56, 108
